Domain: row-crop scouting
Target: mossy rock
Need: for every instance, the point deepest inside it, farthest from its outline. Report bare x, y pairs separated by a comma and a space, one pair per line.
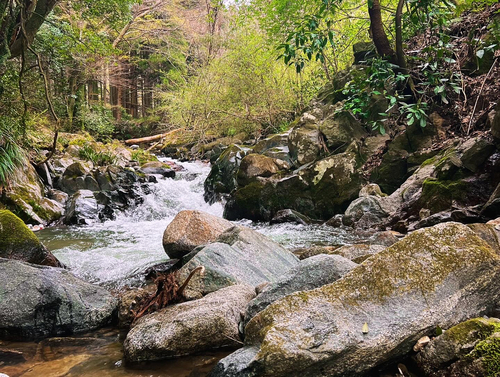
18, 242
439, 195
473, 345
438, 276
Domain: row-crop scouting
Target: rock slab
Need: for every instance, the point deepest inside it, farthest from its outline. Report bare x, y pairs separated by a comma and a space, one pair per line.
240, 256
194, 326
438, 276
38, 301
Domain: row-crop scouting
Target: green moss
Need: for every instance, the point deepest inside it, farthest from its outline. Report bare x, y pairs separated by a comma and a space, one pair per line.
39, 210
489, 351
142, 156
477, 328
438, 195
14, 233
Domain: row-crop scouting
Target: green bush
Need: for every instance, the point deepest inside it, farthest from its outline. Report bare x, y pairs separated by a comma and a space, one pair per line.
87, 152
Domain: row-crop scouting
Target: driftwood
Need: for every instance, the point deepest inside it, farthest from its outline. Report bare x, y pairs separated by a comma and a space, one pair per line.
149, 139
167, 292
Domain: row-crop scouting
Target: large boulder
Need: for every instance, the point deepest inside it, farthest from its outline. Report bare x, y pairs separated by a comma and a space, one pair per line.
365, 212
82, 208
438, 276
256, 165
41, 301
190, 327
467, 349
239, 256
18, 242
319, 190
222, 178
358, 252
311, 273
190, 229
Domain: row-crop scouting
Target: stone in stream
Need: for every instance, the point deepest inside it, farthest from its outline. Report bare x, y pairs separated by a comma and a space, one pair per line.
190, 229
37, 301
189, 327
438, 276
82, 208
311, 273
17, 241
239, 256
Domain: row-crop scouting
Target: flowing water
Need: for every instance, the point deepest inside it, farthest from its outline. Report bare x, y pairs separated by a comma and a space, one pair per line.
114, 254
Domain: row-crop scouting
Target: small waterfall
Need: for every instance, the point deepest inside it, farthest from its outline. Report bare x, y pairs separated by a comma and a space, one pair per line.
114, 252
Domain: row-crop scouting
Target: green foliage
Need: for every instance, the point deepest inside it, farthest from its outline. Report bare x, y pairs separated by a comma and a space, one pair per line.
243, 90
142, 156
98, 121
87, 152
11, 154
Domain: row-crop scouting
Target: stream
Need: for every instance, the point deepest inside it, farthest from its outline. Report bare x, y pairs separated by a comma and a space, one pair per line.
114, 254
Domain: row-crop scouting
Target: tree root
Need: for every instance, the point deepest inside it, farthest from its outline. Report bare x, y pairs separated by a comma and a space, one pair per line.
167, 293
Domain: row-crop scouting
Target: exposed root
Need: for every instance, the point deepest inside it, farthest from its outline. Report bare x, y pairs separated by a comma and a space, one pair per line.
167, 293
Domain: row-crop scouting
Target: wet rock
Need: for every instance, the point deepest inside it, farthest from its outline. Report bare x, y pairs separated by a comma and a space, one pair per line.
438, 276
256, 165
222, 178
467, 349
311, 273
386, 238
190, 327
239, 256
82, 208
290, 216
18, 242
190, 229
45, 301
359, 252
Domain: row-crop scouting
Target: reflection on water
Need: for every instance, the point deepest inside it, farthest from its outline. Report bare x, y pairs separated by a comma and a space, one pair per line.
97, 354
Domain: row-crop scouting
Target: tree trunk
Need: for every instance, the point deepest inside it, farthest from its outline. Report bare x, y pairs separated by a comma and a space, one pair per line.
379, 36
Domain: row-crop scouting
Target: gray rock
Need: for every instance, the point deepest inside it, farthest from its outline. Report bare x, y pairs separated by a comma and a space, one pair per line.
41, 301
190, 229
365, 212
437, 276
311, 273
190, 327
222, 178
82, 208
240, 256
341, 129
76, 169
304, 142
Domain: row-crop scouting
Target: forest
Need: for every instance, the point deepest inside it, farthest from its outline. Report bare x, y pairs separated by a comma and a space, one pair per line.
250, 188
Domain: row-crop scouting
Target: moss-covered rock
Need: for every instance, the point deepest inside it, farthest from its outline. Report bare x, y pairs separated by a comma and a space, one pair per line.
18, 242
304, 142
471, 348
438, 276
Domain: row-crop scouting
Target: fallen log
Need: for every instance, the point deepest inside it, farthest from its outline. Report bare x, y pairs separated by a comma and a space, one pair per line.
147, 139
